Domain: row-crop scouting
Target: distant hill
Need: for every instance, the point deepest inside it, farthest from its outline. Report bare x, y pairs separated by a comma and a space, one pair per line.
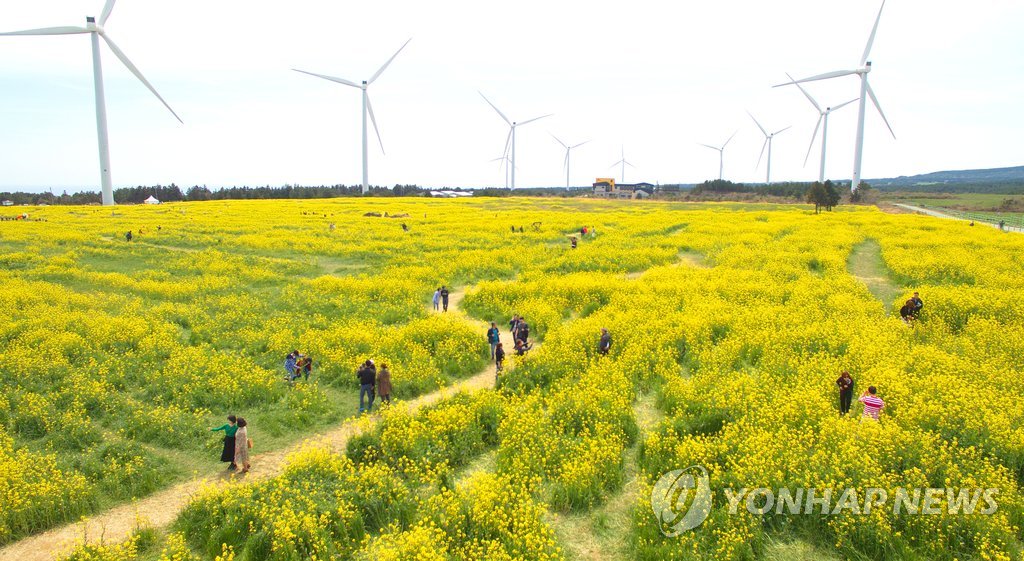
972, 176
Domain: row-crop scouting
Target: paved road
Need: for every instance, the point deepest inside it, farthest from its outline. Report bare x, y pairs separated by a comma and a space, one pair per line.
938, 214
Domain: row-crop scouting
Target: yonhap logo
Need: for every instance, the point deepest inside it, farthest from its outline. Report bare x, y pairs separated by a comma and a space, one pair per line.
681, 500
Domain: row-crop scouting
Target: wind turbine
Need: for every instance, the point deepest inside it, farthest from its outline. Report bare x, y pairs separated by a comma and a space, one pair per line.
568, 149
623, 163
367, 109
97, 31
865, 91
767, 142
822, 116
511, 139
721, 153
504, 162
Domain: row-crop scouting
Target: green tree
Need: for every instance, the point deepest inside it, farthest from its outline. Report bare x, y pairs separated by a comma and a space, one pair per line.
832, 195
817, 195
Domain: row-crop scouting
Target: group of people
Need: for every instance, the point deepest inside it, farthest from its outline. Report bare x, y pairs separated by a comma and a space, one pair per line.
297, 365
237, 443
520, 334
872, 403
373, 382
911, 309
441, 298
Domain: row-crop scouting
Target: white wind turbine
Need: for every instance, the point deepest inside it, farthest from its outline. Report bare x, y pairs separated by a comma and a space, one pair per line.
97, 31
511, 139
504, 161
623, 163
767, 142
865, 91
721, 153
822, 117
568, 150
367, 109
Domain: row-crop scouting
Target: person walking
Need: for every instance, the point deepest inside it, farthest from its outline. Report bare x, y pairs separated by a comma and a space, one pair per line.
128, 236
499, 360
845, 383
437, 298
444, 298
242, 445
228, 453
872, 403
493, 338
367, 375
513, 325
605, 344
384, 384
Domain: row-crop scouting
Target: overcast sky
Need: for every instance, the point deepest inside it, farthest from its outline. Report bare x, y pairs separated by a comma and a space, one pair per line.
655, 77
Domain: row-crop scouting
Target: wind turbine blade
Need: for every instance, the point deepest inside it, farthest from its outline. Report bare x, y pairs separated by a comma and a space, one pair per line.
615, 164
107, 8
382, 68
871, 94
844, 104
495, 108
369, 109
758, 124
802, 90
66, 30
763, 146
559, 141
813, 136
533, 119
131, 67
780, 130
727, 141
630, 165
580, 144
825, 76
871, 38
715, 148
508, 141
331, 78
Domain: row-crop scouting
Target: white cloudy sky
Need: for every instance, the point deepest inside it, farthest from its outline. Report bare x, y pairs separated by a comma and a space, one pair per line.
657, 77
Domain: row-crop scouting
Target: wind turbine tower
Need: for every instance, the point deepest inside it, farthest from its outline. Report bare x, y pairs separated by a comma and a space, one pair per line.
568, 150
721, 154
767, 142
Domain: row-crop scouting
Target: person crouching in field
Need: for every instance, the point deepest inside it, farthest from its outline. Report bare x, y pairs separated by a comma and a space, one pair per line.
845, 383
872, 404
242, 445
384, 384
605, 344
303, 367
907, 312
230, 430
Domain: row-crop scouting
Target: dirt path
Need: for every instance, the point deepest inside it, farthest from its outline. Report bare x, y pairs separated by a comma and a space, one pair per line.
597, 534
938, 214
866, 265
161, 509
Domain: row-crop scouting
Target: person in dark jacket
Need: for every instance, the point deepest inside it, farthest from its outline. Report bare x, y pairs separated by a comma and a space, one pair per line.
499, 360
523, 332
367, 375
493, 337
845, 383
918, 304
522, 347
444, 298
228, 454
606, 342
907, 312
514, 325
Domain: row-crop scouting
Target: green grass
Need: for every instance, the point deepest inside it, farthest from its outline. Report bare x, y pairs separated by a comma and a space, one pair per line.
865, 263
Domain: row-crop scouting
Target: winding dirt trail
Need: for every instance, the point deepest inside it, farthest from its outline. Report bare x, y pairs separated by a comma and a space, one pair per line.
160, 509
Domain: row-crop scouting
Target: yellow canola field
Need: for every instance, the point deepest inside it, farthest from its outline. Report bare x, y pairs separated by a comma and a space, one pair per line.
738, 318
